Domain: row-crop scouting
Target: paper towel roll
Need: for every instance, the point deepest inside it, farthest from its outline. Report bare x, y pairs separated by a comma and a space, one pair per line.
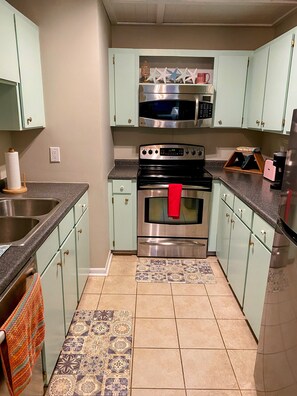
13, 170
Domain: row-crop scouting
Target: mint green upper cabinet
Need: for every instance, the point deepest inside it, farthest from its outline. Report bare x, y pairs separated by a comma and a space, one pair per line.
31, 88
9, 68
230, 90
256, 90
123, 69
292, 91
269, 85
278, 70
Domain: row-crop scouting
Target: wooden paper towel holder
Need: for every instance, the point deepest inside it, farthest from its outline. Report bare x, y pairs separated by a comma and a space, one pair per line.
20, 190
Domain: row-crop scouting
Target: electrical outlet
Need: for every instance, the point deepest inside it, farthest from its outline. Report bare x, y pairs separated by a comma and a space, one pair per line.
55, 154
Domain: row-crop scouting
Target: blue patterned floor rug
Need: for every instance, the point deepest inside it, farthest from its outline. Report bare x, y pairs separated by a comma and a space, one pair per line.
96, 356
172, 270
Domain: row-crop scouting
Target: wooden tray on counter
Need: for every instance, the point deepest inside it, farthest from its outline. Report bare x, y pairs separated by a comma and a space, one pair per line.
258, 160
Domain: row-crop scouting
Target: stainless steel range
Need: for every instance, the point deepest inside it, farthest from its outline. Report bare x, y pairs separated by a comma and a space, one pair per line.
162, 167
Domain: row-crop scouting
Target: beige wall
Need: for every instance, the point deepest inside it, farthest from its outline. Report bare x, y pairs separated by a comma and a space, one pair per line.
74, 38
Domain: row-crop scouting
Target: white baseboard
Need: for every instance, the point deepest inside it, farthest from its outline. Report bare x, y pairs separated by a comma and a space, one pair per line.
102, 271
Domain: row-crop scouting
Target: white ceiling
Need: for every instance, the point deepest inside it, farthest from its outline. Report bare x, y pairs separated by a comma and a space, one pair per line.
199, 12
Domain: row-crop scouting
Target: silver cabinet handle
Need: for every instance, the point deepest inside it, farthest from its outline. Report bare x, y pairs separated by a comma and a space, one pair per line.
258, 122
122, 188
220, 122
126, 201
29, 120
66, 252
79, 231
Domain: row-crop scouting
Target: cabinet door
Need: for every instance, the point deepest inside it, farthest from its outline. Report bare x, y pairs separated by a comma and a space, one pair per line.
125, 107
223, 237
280, 54
258, 67
69, 278
238, 256
292, 91
256, 280
82, 251
230, 91
30, 72
51, 281
124, 219
9, 68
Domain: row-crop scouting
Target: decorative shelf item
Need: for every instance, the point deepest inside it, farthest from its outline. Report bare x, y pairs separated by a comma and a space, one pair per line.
174, 75
246, 160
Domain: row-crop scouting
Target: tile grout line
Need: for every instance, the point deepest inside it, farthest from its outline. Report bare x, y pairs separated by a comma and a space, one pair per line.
178, 342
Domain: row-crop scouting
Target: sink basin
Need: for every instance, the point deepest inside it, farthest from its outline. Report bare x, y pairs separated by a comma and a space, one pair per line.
14, 229
27, 206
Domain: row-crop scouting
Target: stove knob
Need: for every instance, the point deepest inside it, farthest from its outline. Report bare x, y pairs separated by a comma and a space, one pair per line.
193, 152
150, 152
187, 152
156, 151
143, 152
200, 153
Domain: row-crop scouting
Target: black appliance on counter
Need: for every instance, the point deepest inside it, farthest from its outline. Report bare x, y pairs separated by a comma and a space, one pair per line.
276, 362
279, 160
160, 235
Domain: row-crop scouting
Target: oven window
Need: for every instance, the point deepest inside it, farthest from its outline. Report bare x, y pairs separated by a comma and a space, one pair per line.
156, 211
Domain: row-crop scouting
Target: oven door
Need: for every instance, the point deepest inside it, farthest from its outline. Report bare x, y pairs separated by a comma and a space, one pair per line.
156, 228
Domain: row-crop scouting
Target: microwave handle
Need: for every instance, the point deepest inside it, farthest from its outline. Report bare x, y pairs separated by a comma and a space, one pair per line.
196, 111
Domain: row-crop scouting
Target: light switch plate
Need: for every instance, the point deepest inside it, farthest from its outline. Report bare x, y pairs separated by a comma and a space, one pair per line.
55, 154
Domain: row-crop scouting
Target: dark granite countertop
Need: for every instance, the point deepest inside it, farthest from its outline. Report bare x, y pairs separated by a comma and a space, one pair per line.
15, 258
253, 189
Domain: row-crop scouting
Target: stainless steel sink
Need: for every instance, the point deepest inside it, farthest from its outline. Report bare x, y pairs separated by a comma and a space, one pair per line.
20, 218
16, 229
27, 206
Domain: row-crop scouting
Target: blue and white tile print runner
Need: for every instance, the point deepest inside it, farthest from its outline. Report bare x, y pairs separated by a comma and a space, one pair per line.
96, 356
171, 270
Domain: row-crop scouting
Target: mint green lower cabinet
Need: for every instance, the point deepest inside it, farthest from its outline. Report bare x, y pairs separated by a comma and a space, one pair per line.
256, 280
69, 275
123, 215
51, 282
238, 256
82, 251
223, 236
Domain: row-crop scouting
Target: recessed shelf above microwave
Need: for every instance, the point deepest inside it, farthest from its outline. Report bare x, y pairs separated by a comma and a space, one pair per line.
175, 70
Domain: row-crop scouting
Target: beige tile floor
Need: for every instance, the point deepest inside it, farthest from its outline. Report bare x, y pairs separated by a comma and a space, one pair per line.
189, 340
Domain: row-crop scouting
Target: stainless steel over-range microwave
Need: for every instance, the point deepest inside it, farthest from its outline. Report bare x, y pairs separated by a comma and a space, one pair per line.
175, 106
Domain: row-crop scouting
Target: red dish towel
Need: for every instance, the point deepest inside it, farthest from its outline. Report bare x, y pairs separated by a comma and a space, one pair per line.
174, 198
24, 335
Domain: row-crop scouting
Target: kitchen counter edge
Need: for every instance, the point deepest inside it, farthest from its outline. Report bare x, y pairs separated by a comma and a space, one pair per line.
16, 257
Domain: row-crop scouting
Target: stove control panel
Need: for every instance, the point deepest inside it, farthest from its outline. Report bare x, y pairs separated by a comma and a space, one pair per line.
171, 152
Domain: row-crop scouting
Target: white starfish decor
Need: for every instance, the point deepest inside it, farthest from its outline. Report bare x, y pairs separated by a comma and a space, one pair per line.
164, 74
193, 75
183, 76
154, 74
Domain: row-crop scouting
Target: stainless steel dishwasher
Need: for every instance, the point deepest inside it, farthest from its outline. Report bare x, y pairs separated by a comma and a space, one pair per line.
8, 301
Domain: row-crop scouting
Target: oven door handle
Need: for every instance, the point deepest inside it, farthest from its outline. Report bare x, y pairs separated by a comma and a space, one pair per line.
196, 111
160, 186
172, 243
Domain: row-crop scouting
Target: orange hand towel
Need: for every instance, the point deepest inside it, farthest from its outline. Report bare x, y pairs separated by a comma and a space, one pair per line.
24, 335
174, 198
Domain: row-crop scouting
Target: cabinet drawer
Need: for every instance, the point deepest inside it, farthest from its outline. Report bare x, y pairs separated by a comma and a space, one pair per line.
243, 211
80, 207
227, 196
122, 186
263, 231
66, 226
47, 251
